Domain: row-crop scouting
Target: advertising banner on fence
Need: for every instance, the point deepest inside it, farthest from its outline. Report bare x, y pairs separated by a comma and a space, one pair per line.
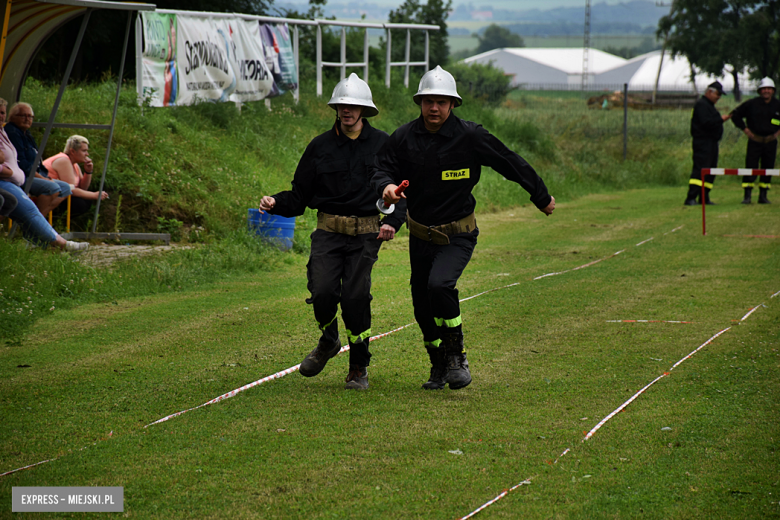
189, 59
279, 57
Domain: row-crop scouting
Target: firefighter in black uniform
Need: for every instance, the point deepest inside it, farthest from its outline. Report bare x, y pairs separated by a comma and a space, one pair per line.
759, 118
333, 178
706, 130
441, 155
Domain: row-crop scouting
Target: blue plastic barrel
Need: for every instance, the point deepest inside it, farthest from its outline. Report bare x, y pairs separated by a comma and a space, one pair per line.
272, 228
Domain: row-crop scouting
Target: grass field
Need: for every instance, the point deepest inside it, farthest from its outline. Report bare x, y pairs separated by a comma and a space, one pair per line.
547, 363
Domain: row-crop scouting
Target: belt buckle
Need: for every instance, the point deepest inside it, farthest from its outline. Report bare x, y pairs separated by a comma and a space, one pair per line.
356, 224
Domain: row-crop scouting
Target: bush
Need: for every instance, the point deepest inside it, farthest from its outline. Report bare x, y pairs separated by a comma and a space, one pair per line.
484, 82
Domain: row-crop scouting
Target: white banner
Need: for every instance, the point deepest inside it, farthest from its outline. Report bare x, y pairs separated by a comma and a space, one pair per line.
188, 59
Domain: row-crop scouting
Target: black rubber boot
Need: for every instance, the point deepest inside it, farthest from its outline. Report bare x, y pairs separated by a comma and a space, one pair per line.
690, 198
357, 378
707, 197
762, 193
317, 358
438, 368
458, 375
748, 195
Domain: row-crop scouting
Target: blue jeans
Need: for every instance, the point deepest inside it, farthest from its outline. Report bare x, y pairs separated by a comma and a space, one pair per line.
34, 226
49, 187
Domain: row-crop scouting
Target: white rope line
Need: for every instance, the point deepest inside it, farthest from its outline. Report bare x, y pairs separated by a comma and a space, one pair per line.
253, 384
26, 467
644, 242
751, 311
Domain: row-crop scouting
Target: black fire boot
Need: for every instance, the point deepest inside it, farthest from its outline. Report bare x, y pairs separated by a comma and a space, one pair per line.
762, 193
707, 197
317, 358
690, 198
748, 195
357, 378
438, 368
458, 375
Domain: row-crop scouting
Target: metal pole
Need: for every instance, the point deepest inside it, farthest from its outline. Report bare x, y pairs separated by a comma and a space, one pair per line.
427, 51
408, 48
343, 52
113, 119
319, 61
365, 56
703, 205
297, 91
139, 61
625, 120
388, 56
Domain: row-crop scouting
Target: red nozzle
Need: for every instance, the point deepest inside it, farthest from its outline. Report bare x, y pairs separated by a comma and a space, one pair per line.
400, 189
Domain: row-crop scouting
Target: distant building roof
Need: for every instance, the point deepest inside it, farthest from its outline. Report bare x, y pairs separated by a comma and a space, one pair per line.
568, 60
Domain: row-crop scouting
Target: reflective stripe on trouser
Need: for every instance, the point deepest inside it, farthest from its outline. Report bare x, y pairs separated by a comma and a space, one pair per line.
697, 182
760, 155
339, 272
435, 273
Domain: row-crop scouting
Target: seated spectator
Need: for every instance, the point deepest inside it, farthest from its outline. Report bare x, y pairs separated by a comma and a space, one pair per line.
48, 192
7, 204
65, 167
33, 224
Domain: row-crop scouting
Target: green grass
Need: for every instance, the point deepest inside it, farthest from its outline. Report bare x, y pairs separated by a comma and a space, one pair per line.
547, 366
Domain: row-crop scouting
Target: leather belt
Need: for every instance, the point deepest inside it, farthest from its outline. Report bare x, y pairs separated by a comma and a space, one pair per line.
763, 138
347, 225
440, 235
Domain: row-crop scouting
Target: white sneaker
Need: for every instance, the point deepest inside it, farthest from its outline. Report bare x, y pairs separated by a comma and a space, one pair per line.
76, 246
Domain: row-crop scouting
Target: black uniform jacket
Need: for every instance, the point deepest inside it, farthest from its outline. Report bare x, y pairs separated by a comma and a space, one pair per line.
706, 122
333, 177
762, 118
443, 167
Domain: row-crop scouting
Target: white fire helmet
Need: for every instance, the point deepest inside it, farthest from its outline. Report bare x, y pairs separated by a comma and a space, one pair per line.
767, 82
353, 91
438, 82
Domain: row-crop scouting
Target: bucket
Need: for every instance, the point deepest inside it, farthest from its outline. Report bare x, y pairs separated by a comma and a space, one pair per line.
272, 228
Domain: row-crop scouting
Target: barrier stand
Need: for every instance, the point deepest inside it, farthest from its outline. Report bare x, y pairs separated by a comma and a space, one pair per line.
742, 172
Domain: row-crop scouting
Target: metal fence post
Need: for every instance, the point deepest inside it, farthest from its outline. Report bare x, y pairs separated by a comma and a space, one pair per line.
343, 52
427, 51
365, 56
408, 50
625, 120
319, 61
388, 57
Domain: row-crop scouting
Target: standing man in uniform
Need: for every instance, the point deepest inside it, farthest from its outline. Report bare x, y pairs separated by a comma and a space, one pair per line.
706, 130
333, 178
442, 155
759, 118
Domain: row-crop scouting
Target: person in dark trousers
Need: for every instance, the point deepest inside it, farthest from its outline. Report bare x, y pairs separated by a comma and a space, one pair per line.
442, 156
706, 130
759, 119
333, 178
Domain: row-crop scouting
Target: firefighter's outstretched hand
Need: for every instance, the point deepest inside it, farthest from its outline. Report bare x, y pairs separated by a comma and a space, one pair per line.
386, 232
267, 203
550, 207
389, 195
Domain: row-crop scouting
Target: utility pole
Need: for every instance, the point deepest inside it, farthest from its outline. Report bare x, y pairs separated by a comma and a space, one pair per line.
586, 47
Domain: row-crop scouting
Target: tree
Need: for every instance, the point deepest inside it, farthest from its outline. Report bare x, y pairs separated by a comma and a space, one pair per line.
497, 37
718, 36
435, 12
